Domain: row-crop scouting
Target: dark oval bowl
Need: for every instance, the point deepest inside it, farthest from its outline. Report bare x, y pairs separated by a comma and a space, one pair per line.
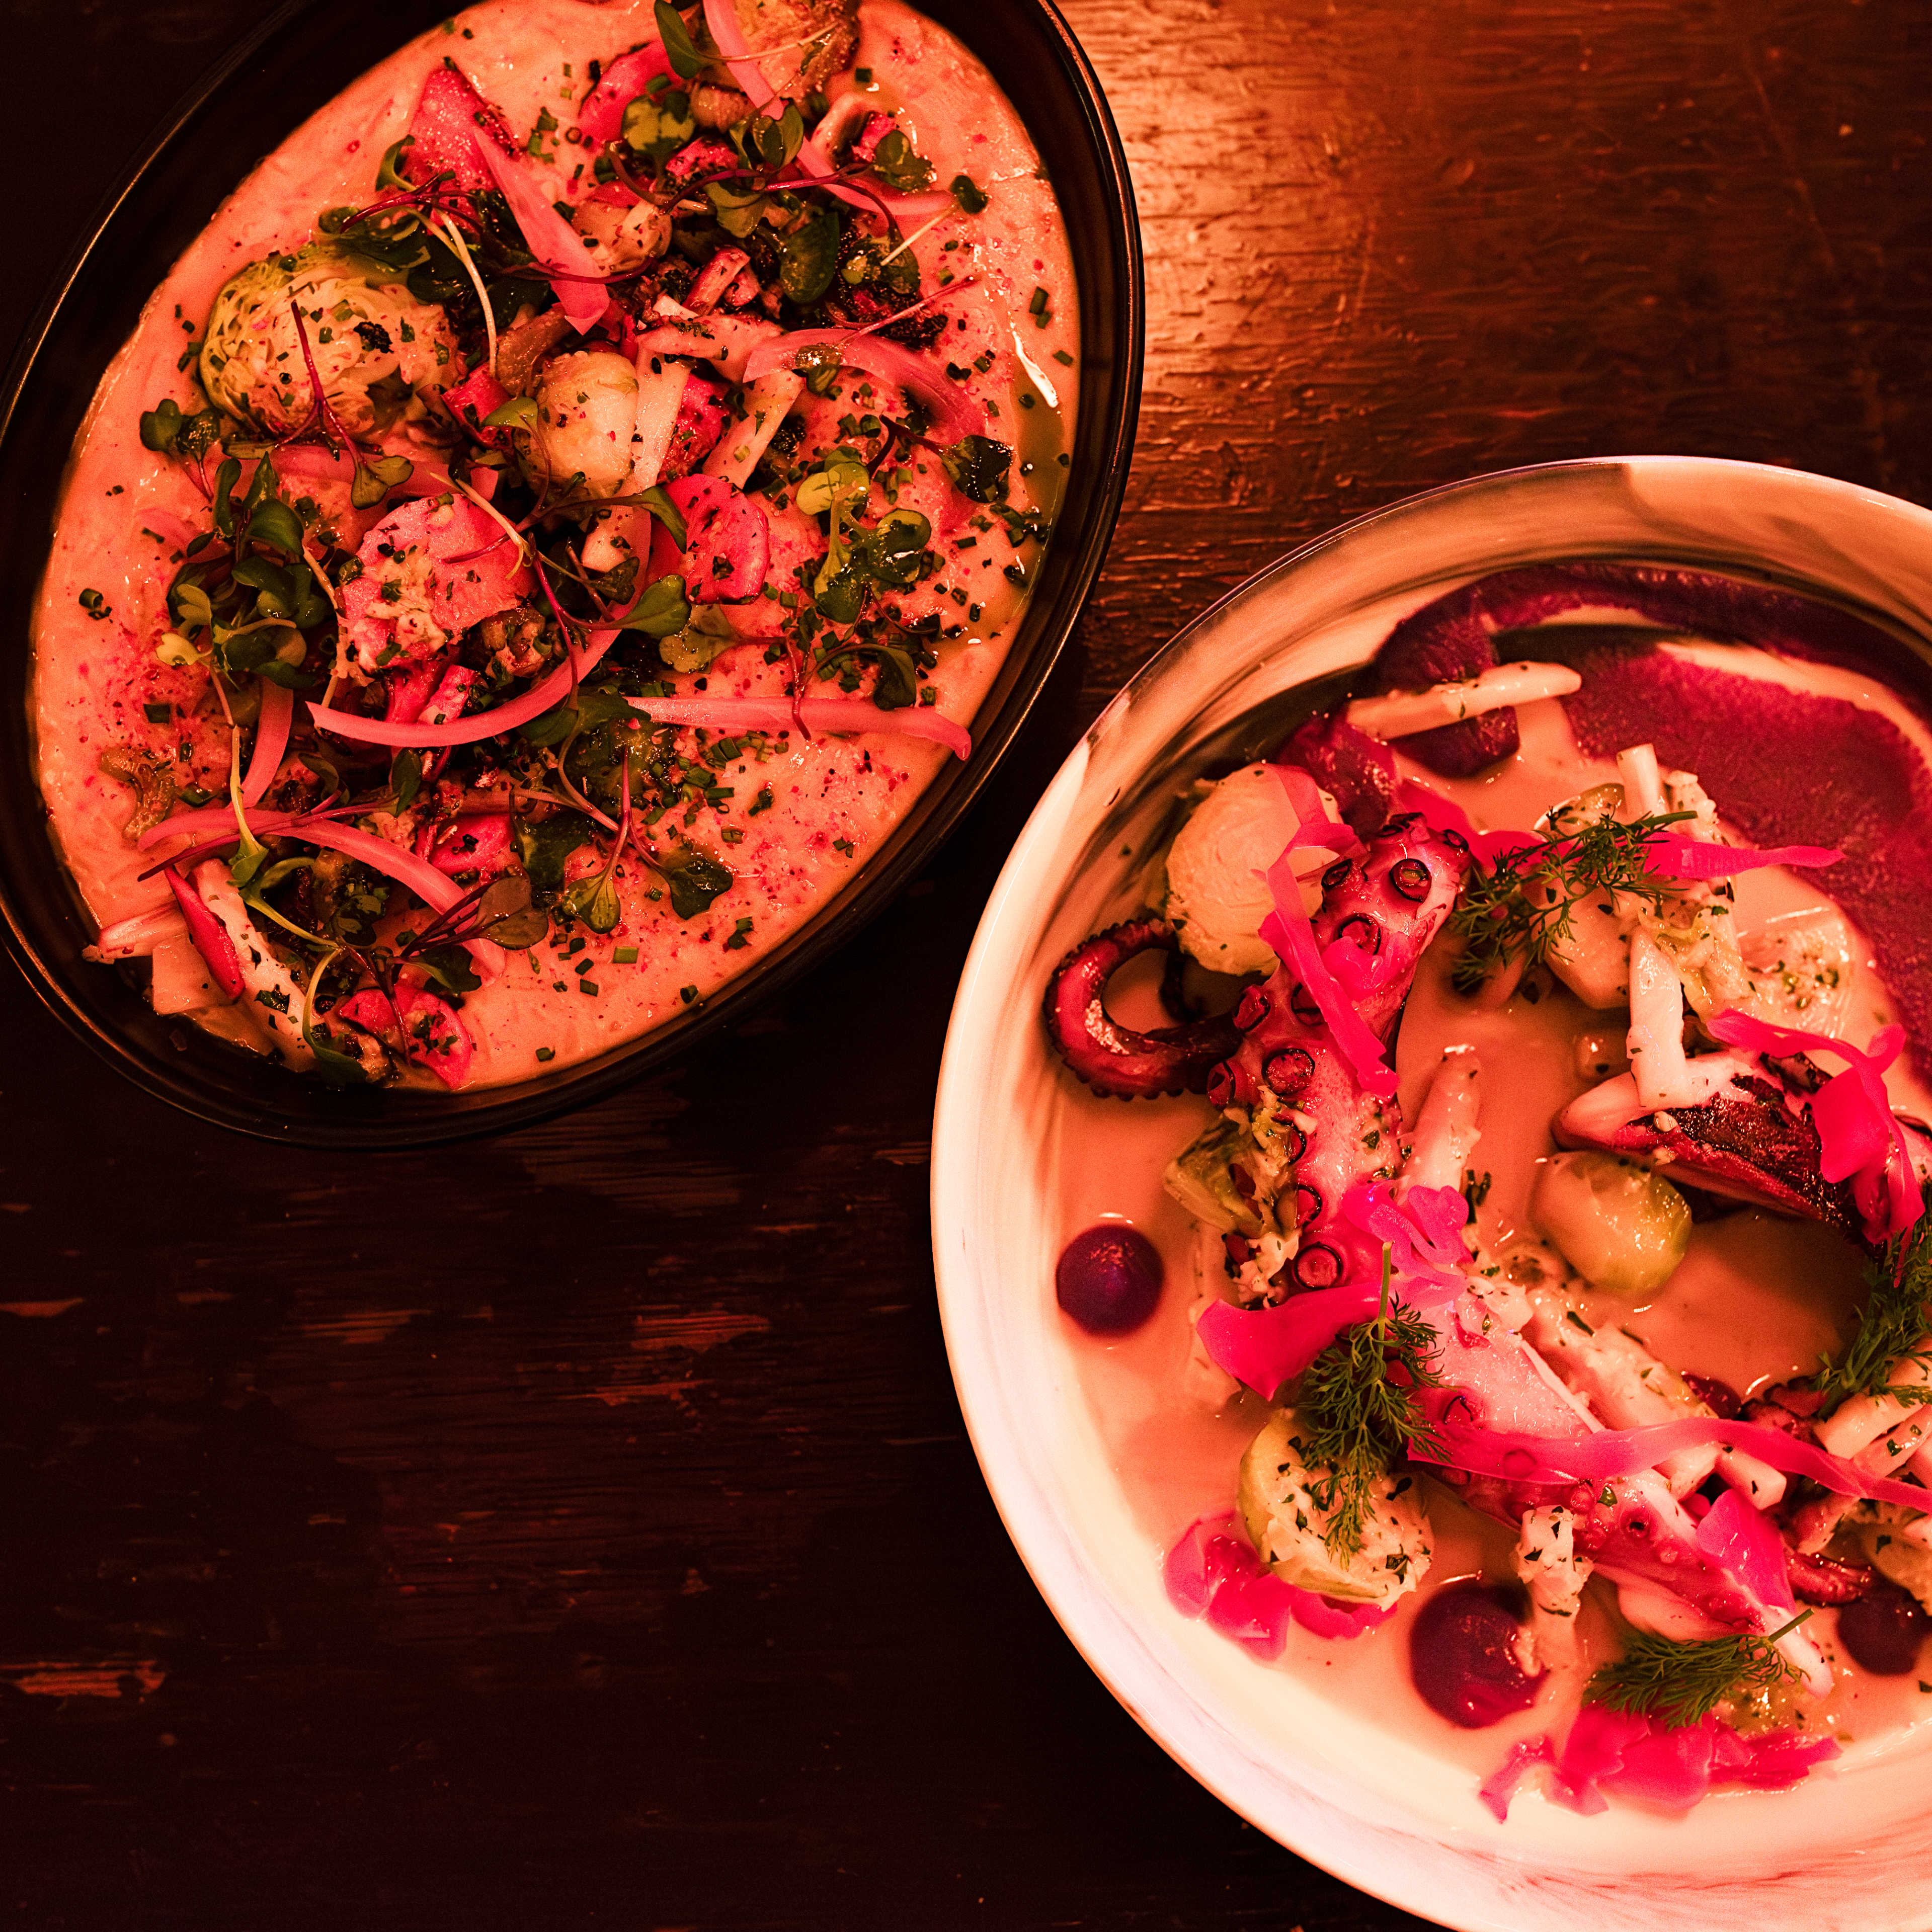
299, 59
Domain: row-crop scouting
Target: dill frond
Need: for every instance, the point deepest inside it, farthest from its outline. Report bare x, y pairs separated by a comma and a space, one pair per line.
1524, 905
1894, 1321
1358, 1403
1682, 1682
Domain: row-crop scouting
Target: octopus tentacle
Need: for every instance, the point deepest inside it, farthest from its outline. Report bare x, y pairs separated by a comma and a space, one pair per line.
1381, 910
1113, 1059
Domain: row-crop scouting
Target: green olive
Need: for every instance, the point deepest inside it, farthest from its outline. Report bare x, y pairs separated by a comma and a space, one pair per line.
1623, 1228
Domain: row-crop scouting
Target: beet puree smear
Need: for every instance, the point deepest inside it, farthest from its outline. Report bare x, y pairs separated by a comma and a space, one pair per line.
1784, 762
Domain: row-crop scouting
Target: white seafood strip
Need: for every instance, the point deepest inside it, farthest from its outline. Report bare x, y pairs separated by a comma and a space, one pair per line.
1860, 1422
279, 1013
1643, 785
1446, 1133
1397, 713
745, 440
1656, 1037
1548, 1565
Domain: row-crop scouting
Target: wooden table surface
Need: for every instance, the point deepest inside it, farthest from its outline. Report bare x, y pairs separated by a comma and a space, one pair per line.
578, 1528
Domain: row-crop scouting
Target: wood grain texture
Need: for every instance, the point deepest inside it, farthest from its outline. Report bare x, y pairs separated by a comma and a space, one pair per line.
579, 1528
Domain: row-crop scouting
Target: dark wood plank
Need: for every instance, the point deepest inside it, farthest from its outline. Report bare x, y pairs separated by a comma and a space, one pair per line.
579, 1528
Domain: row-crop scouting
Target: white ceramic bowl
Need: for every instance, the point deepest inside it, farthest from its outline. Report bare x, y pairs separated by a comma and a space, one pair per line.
1850, 1847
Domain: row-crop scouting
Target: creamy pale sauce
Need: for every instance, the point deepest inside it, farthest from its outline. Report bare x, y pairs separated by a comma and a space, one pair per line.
833, 802
1755, 1300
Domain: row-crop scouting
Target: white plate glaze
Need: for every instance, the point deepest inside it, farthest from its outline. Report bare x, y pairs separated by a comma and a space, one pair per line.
1849, 1848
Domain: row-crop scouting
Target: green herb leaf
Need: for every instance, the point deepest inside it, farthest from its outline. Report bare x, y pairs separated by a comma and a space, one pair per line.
1893, 1325
978, 465
1682, 1682
1359, 1418
809, 258
969, 194
662, 610
657, 500
695, 879
1524, 905
685, 60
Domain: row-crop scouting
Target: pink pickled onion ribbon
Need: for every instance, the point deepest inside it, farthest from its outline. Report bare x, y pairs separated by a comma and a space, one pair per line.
1671, 854
435, 890
1288, 930
1860, 1137
1622, 1452
1674, 856
271, 739
954, 414
818, 714
480, 724
212, 938
556, 245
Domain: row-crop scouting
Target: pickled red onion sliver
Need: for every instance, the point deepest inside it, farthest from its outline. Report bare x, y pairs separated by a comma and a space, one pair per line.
1677, 857
1673, 1767
1860, 1137
1264, 1348
271, 739
1610, 1453
210, 937
1213, 1571
492, 724
557, 246
954, 414
814, 714
1288, 930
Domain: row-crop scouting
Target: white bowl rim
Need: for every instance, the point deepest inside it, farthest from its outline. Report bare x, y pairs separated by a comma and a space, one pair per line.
1500, 1896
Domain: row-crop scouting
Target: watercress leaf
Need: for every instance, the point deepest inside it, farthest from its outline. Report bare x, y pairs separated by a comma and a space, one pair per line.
545, 847
841, 596
736, 212
657, 500
257, 573
390, 175
552, 728
686, 61
695, 878
594, 900
899, 162
898, 683
273, 523
809, 258
969, 194
450, 965
226, 479
505, 914
978, 465
161, 425
662, 610
406, 778
519, 412
189, 603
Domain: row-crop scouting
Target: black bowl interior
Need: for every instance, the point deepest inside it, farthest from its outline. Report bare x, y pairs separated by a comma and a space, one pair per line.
301, 57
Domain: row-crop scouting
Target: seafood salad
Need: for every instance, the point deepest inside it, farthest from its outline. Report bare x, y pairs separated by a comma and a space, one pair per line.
549, 529
1554, 1373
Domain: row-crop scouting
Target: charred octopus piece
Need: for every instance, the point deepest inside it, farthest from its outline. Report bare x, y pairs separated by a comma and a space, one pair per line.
1753, 1137
1113, 1059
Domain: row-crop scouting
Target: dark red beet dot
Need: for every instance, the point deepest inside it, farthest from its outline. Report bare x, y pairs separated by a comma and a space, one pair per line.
1108, 1279
1461, 1654
1884, 1631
